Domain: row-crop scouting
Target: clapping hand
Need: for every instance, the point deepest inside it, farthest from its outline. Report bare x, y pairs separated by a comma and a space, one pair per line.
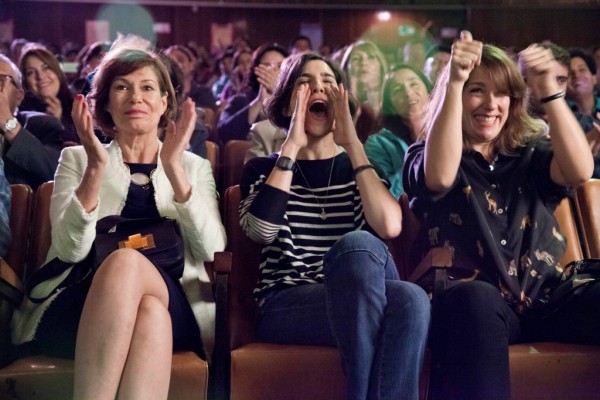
96, 153
53, 106
178, 135
267, 77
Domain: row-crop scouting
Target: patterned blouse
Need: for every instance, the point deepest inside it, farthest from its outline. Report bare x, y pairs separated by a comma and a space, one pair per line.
497, 218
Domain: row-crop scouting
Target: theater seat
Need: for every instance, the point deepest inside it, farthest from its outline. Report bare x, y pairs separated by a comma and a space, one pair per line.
588, 214
548, 370
20, 218
232, 163
40, 377
263, 370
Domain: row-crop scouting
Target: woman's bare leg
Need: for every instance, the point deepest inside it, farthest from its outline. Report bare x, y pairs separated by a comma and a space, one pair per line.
148, 368
109, 320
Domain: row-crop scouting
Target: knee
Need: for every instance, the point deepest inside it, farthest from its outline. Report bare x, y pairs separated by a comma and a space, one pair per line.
356, 241
358, 259
411, 298
153, 309
471, 301
123, 267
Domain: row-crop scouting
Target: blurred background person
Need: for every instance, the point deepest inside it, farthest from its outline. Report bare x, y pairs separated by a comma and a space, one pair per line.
300, 44
225, 69
242, 61
437, 57
197, 143
201, 95
405, 99
365, 67
46, 88
32, 140
414, 53
247, 107
88, 60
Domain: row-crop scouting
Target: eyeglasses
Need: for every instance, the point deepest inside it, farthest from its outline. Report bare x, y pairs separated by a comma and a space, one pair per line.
4, 76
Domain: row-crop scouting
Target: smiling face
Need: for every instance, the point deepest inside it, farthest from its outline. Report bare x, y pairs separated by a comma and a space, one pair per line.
485, 109
317, 75
41, 79
408, 93
136, 102
582, 79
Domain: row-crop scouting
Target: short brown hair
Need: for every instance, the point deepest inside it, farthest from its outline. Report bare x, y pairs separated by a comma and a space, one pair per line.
121, 61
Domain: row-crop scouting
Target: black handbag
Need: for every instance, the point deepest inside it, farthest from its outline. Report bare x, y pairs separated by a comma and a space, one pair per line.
577, 276
158, 239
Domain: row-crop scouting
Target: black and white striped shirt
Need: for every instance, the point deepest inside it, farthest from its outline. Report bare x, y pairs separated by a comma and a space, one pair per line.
289, 225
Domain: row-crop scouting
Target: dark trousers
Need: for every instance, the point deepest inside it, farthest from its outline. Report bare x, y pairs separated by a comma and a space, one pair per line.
474, 327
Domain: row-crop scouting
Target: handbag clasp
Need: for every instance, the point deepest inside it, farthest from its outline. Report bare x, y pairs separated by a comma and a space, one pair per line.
138, 242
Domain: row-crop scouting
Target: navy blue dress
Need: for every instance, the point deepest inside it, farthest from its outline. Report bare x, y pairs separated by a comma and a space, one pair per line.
57, 331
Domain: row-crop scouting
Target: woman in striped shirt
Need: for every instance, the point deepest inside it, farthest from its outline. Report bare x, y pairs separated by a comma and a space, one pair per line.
320, 209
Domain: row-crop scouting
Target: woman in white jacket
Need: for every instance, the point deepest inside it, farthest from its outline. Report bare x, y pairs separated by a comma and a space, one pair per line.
124, 323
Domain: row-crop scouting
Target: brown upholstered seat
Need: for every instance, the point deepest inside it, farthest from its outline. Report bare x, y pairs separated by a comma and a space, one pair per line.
232, 163
588, 213
40, 377
20, 217
262, 370
538, 370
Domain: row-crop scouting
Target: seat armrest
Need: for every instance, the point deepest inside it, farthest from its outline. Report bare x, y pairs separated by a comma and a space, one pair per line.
220, 363
437, 257
11, 287
222, 263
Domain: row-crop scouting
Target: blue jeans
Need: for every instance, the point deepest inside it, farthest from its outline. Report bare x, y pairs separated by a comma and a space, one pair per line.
378, 323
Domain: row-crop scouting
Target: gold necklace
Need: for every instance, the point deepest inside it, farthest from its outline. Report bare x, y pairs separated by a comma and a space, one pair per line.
323, 214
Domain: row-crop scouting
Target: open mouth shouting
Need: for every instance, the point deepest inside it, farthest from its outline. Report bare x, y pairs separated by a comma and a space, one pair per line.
318, 109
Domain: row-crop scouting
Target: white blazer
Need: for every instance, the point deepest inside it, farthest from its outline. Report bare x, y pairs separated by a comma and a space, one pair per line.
74, 230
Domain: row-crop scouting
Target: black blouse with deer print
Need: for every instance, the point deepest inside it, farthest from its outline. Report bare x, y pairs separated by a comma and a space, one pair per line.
520, 251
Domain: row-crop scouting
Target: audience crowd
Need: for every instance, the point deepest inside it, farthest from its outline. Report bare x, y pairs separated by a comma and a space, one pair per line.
433, 119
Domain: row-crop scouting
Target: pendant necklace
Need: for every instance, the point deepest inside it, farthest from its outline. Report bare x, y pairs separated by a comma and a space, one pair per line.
141, 179
323, 214
493, 163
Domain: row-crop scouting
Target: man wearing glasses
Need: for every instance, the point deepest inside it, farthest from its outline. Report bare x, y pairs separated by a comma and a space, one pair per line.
32, 140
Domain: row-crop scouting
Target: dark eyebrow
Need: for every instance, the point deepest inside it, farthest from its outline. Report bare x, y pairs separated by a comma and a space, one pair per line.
122, 79
305, 75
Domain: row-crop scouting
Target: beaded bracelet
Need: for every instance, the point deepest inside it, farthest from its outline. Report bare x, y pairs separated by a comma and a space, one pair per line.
553, 97
360, 169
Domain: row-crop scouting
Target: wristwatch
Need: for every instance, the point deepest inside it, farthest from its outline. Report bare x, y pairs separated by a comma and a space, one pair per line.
285, 164
10, 125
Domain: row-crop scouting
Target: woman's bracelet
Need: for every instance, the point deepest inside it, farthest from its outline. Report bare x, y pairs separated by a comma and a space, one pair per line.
360, 169
553, 97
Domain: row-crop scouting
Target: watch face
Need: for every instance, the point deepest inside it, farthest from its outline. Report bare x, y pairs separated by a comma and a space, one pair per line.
10, 125
285, 163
